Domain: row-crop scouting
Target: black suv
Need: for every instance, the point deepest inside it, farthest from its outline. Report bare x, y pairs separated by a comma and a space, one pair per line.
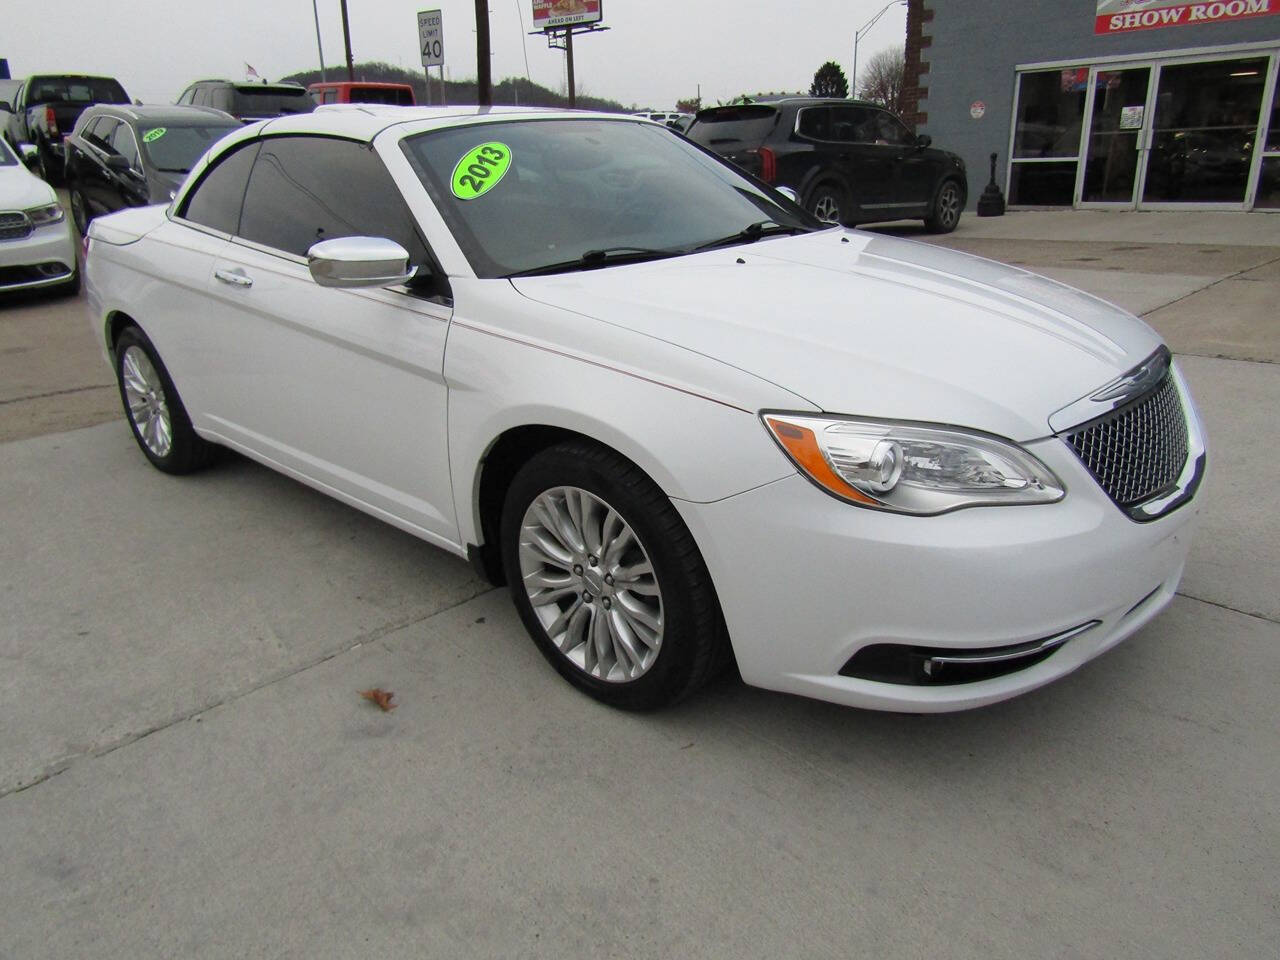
248, 102
130, 156
849, 162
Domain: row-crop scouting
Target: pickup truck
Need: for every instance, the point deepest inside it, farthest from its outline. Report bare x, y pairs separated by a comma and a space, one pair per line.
46, 107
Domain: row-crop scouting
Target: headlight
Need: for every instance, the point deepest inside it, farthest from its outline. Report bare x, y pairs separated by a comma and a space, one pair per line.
909, 468
43, 216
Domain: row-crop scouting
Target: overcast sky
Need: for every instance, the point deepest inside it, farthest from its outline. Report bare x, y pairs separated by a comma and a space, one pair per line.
655, 52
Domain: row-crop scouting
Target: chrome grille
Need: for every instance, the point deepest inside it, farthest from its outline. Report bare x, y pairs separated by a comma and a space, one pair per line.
14, 225
1138, 450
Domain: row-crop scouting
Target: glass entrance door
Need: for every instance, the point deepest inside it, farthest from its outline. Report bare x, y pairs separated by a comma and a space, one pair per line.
1118, 120
1205, 131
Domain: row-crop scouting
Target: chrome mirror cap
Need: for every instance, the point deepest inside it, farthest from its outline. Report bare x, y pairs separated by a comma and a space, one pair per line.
359, 262
789, 194
30, 155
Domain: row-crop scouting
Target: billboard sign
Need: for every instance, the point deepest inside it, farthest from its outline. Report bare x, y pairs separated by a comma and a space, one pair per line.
553, 14
1123, 16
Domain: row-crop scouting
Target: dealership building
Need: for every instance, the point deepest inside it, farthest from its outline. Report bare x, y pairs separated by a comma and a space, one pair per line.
1106, 104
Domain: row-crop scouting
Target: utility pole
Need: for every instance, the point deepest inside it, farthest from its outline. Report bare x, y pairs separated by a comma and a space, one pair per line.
319, 49
568, 55
484, 84
346, 39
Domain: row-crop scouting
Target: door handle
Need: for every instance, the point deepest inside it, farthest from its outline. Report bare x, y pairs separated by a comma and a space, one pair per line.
236, 277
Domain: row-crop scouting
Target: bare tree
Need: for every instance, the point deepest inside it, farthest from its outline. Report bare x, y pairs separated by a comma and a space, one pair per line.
881, 80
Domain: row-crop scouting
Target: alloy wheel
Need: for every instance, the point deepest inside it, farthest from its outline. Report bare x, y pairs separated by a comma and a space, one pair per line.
148, 408
949, 206
827, 209
591, 584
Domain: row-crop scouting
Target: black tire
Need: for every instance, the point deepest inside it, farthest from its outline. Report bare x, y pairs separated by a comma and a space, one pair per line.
944, 216
692, 645
186, 451
828, 204
80, 211
49, 167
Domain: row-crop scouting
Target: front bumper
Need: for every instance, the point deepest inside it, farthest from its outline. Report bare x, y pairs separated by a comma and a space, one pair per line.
806, 582
45, 258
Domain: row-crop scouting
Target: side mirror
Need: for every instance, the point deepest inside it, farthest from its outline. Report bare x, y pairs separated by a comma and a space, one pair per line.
923, 140
30, 155
6, 106
359, 262
117, 163
789, 194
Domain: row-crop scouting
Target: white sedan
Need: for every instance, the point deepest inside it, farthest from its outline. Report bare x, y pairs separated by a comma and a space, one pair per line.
685, 422
37, 248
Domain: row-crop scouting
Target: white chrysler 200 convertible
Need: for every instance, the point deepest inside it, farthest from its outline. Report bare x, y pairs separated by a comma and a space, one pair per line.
684, 421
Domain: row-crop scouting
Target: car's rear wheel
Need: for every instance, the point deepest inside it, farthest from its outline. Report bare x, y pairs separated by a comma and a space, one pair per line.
827, 203
80, 211
946, 208
607, 578
154, 410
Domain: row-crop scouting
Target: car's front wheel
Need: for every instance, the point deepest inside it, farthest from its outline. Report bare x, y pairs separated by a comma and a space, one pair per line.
947, 205
154, 410
607, 578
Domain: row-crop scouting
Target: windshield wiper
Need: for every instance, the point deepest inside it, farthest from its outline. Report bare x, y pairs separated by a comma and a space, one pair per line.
607, 256
753, 232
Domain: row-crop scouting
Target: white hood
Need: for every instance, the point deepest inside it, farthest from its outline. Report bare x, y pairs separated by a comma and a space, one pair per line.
868, 325
20, 189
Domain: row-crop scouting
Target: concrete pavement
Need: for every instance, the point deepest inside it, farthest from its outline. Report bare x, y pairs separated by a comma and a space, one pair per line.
186, 768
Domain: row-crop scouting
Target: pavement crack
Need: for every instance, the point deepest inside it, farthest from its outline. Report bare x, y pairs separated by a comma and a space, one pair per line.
1226, 606
57, 393
1210, 286
62, 764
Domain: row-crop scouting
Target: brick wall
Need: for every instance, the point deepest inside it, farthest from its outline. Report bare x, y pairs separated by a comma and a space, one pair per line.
915, 85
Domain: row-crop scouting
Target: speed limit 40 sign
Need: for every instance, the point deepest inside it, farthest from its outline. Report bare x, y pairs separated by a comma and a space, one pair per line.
431, 38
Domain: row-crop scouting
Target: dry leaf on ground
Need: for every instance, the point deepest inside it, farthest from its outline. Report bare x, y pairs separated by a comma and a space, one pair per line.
383, 698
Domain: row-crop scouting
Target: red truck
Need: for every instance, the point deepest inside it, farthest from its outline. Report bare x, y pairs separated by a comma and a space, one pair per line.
395, 94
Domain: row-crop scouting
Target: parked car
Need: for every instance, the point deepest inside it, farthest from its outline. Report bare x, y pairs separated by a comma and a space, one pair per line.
36, 245
45, 109
248, 102
393, 94
677, 120
850, 162
683, 419
121, 156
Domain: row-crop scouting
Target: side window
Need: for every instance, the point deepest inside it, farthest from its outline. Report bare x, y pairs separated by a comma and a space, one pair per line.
99, 134
123, 143
200, 97
330, 96
815, 122
852, 125
187, 94
217, 198
220, 97
307, 189
889, 129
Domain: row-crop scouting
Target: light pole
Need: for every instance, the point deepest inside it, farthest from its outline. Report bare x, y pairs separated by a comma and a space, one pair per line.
862, 32
319, 49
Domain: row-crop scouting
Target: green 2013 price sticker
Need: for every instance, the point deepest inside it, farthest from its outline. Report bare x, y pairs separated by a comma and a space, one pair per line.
479, 171
151, 136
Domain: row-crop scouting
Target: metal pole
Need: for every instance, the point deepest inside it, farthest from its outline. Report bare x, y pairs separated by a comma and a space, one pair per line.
346, 39
568, 52
484, 83
853, 81
319, 49
444, 90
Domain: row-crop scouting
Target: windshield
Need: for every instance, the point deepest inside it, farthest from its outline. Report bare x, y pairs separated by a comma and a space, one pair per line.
533, 193
76, 90
176, 148
394, 96
724, 125
252, 101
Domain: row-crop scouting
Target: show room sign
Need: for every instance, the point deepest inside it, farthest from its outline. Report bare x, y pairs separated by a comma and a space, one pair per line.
1122, 16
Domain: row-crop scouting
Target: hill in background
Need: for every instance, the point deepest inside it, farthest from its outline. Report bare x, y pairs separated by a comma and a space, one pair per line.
513, 90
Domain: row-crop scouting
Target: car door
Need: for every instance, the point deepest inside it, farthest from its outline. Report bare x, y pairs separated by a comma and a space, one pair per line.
866, 164
343, 387
913, 168
93, 178
128, 187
